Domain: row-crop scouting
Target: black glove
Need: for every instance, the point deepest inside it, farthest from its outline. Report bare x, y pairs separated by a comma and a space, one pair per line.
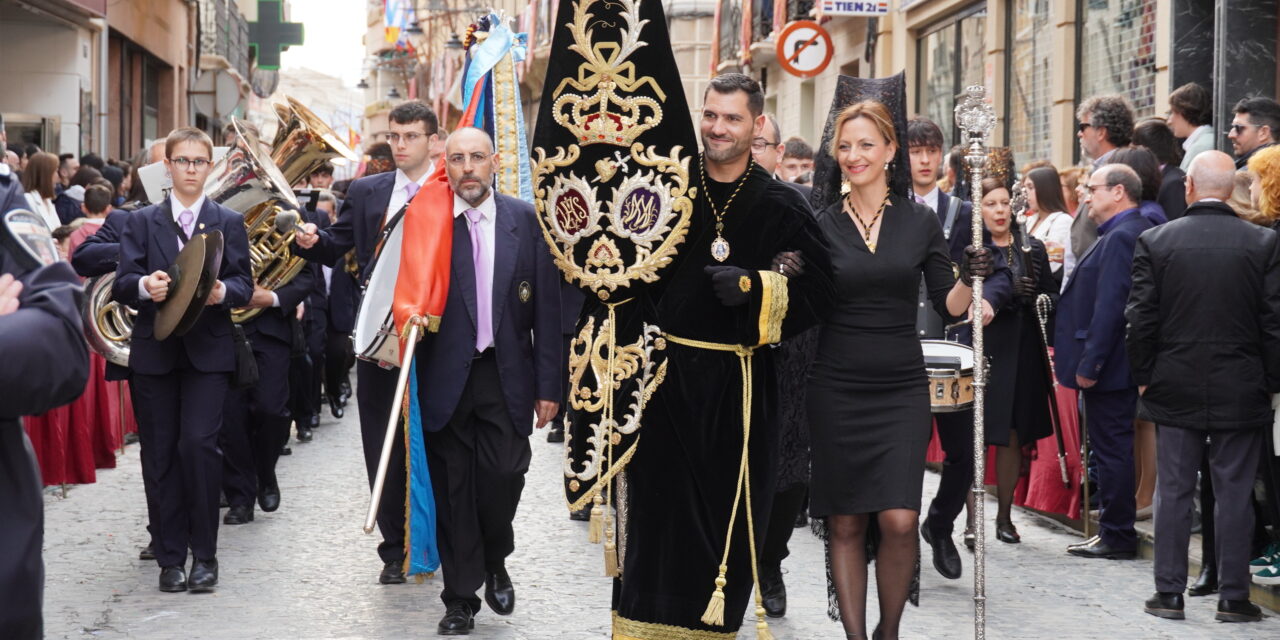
789, 263
731, 284
976, 263
1024, 287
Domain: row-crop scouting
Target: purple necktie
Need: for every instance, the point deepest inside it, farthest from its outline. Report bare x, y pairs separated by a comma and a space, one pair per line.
484, 281
187, 220
411, 189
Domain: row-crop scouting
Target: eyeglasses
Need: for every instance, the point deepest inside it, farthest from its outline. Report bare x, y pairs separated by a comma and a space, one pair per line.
409, 138
1082, 126
1239, 128
760, 144
459, 159
198, 163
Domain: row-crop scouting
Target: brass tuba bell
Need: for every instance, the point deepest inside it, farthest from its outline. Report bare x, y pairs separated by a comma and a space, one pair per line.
108, 325
304, 142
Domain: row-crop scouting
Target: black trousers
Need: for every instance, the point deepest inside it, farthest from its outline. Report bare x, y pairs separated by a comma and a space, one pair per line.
21, 536
1233, 461
1109, 419
306, 369
955, 434
782, 522
375, 393
338, 359
179, 415
478, 461
256, 424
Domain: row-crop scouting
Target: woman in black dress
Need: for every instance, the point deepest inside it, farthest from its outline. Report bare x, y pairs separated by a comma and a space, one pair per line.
1019, 387
867, 401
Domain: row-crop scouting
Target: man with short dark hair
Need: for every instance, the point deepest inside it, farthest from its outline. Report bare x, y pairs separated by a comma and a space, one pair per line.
67, 166
1206, 274
1256, 125
766, 150
322, 177
797, 161
92, 159
371, 202
1089, 353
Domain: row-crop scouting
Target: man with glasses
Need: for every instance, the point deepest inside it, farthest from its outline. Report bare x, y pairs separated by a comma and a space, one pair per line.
180, 384
1255, 125
1105, 123
371, 202
767, 149
1089, 353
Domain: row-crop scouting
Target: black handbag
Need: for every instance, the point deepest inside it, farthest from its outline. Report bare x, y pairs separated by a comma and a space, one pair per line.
246, 373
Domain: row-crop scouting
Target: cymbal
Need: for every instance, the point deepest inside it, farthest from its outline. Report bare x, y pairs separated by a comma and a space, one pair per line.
208, 279
188, 276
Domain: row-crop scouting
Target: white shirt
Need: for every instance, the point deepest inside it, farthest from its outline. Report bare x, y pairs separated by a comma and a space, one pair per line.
399, 195
44, 208
1055, 232
488, 229
931, 199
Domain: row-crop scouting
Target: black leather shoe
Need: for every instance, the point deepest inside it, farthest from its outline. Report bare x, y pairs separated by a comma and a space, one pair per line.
173, 579
204, 576
147, 553
269, 497
304, 434
336, 408
286, 451
239, 514
458, 620
555, 435
1165, 605
581, 515
773, 593
1085, 543
344, 393
1006, 532
1237, 611
946, 558
392, 572
1100, 549
499, 593
1206, 583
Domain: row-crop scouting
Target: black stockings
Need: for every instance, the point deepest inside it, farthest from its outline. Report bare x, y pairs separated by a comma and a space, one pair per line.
1008, 465
895, 568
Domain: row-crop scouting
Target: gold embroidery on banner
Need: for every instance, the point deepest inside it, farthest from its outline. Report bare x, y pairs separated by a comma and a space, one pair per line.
506, 141
625, 629
773, 306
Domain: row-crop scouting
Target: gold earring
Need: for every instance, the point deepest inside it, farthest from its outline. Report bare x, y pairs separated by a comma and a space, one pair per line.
845, 188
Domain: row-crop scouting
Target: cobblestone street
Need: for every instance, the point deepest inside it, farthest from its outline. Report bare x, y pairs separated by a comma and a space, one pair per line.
307, 571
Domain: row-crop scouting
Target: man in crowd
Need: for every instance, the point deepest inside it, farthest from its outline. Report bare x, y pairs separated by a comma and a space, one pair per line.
797, 161
180, 383
1090, 356
371, 202
67, 166
321, 178
340, 297
1255, 125
1188, 275
1105, 124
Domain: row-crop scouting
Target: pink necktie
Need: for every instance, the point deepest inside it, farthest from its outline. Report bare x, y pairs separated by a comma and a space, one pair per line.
412, 189
484, 282
187, 220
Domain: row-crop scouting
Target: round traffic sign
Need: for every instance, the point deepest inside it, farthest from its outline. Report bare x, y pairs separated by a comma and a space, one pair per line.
804, 48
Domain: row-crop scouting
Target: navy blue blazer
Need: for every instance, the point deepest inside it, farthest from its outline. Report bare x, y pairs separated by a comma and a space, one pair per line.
359, 221
100, 253
961, 229
344, 297
1089, 336
527, 331
150, 243
46, 360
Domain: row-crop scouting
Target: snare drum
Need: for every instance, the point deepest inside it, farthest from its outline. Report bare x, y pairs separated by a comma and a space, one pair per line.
949, 366
375, 339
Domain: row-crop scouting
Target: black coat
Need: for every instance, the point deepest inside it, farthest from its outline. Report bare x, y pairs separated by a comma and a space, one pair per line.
1172, 196
1204, 320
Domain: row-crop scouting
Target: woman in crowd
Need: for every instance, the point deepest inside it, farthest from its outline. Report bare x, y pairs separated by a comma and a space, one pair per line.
1073, 180
1155, 135
38, 183
1019, 390
1047, 219
1144, 163
1191, 118
869, 414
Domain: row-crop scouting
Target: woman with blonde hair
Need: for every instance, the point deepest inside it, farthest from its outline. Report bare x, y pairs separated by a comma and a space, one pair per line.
869, 413
1264, 190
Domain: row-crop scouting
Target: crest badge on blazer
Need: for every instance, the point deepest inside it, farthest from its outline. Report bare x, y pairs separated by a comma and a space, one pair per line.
525, 291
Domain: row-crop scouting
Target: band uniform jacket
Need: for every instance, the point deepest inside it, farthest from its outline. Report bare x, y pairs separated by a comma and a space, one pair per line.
1089, 336
358, 225
150, 243
528, 333
1204, 320
100, 253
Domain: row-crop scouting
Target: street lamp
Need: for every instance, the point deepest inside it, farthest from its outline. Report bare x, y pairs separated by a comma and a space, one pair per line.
362, 84
454, 42
393, 94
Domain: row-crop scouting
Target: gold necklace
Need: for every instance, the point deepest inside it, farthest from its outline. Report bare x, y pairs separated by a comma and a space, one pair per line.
720, 246
866, 235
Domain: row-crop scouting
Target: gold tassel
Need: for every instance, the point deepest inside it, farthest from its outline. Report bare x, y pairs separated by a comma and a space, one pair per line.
595, 531
610, 559
714, 615
762, 627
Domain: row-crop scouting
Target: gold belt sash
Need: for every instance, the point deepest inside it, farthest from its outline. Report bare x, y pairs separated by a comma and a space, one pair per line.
714, 614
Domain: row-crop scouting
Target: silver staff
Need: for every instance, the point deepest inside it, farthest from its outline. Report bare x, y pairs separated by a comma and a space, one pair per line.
976, 119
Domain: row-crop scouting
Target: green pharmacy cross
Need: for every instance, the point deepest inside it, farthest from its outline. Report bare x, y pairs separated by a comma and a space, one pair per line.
271, 34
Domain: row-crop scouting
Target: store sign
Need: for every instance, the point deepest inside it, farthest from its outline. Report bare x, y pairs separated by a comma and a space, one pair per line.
854, 8
804, 49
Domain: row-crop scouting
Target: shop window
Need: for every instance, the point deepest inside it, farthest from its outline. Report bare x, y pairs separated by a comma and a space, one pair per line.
1117, 51
950, 56
1028, 81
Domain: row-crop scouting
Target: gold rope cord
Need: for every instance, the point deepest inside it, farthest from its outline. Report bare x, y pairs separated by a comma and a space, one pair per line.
626, 629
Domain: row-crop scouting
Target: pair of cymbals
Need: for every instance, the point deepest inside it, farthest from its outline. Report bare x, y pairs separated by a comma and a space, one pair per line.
192, 278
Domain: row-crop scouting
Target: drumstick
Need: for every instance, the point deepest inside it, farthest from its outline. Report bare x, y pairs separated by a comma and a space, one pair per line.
288, 221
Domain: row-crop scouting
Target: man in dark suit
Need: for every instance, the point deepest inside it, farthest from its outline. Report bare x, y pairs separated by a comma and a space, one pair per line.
341, 297
180, 384
1089, 353
46, 364
1206, 274
495, 363
371, 202
257, 419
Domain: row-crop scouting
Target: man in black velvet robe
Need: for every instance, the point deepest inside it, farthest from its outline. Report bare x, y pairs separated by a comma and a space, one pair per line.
717, 316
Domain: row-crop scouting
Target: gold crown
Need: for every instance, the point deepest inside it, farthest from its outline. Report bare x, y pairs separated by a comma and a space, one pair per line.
606, 118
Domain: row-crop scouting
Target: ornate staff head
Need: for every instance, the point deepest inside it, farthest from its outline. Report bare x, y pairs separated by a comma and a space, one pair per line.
976, 119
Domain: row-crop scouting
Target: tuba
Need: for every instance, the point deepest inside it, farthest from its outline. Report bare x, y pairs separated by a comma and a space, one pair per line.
107, 323
303, 143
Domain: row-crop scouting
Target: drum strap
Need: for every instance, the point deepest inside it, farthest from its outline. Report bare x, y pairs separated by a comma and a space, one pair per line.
953, 208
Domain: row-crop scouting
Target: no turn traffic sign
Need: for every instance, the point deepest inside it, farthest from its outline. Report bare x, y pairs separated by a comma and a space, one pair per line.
804, 48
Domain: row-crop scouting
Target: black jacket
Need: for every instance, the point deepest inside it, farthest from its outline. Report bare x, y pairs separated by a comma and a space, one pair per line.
1204, 320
